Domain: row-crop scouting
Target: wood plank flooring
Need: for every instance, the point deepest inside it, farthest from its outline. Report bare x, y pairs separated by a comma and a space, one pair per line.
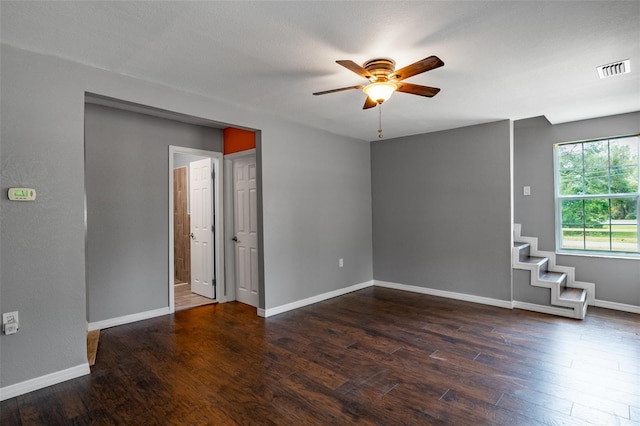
375, 357
184, 299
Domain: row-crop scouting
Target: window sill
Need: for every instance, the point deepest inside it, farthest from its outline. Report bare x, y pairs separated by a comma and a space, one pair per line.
601, 255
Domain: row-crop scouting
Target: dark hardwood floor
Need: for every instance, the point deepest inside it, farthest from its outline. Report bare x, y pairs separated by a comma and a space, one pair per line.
376, 356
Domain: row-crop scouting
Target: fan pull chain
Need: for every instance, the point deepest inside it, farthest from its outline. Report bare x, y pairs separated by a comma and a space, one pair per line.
380, 121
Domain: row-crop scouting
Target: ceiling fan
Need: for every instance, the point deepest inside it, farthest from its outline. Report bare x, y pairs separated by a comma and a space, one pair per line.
384, 79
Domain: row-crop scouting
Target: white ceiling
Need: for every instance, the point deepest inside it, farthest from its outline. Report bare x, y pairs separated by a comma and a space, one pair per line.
503, 59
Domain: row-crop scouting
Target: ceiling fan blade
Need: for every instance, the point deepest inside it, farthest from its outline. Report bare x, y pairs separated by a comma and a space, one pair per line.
338, 90
426, 64
368, 103
416, 89
352, 66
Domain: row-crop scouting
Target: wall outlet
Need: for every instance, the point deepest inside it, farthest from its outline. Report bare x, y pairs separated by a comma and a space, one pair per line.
340, 262
526, 191
10, 323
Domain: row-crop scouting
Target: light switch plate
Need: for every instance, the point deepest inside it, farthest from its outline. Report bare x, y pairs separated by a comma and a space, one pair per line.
10, 322
526, 190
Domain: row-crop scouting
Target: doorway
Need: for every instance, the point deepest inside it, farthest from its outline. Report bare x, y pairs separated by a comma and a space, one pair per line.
196, 250
113, 258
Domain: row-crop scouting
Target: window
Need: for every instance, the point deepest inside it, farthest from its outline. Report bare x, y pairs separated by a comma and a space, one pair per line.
597, 196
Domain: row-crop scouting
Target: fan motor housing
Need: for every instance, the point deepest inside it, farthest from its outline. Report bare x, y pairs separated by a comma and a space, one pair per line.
380, 68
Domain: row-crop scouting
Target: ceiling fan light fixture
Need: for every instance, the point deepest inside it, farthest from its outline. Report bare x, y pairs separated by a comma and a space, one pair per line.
380, 91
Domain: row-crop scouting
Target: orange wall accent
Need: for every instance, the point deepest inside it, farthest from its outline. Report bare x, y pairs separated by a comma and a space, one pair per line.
236, 140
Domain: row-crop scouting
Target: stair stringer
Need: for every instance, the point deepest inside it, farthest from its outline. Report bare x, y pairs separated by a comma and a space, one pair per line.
578, 311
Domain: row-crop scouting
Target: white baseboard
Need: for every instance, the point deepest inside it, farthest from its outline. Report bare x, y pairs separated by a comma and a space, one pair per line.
448, 294
261, 312
99, 325
544, 309
314, 299
44, 381
554, 310
617, 306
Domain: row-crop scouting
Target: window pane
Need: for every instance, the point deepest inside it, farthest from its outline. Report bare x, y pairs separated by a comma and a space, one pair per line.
624, 165
571, 182
625, 150
624, 224
624, 179
573, 224
596, 214
596, 167
570, 164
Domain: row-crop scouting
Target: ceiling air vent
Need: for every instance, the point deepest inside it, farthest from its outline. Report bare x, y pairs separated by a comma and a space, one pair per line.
616, 68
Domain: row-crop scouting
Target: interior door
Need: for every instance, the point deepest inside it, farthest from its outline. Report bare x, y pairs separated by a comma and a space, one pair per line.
201, 206
246, 230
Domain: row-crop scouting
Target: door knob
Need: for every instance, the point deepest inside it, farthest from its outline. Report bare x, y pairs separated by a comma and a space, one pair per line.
193, 237
235, 239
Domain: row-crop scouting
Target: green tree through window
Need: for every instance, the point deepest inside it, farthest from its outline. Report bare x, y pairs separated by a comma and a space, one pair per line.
597, 195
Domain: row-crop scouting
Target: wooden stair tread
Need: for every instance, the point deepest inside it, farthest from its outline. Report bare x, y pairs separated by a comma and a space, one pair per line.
532, 260
554, 277
573, 294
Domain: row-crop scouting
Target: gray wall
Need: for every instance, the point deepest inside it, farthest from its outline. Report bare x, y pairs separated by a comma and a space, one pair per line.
182, 160
617, 280
318, 190
126, 173
316, 203
42, 265
442, 210
523, 291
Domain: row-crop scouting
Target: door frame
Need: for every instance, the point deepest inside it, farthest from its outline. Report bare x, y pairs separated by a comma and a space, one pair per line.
217, 211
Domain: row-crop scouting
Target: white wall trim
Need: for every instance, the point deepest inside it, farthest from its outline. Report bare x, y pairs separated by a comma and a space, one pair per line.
44, 381
617, 306
126, 319
261, 313
314, 299
448, 294
551, 310
544, 309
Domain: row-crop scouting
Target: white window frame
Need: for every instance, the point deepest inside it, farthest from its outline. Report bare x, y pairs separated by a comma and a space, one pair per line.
558, 198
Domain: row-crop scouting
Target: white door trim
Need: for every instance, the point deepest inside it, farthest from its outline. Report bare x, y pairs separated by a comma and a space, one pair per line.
218, 213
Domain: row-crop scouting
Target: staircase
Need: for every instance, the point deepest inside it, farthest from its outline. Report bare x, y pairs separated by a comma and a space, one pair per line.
569, 297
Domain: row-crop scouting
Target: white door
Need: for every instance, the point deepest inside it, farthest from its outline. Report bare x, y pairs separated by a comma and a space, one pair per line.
246, 230
201, 207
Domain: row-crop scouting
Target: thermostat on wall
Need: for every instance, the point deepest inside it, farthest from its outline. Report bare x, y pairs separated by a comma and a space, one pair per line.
22, 194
